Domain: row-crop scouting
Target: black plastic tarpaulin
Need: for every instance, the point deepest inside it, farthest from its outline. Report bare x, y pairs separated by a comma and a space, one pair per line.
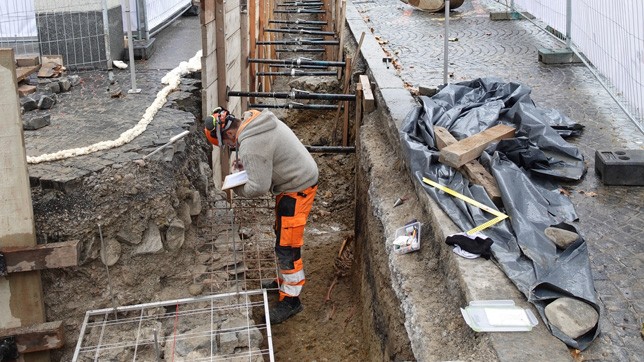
526, 169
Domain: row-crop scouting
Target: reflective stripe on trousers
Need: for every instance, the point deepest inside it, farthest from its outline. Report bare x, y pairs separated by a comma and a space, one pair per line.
291, 212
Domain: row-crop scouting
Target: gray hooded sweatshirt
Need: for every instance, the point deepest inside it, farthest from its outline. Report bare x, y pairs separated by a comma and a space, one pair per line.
274, 158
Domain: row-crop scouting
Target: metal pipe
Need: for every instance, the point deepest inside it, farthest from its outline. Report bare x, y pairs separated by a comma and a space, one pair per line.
294, 95
446, 43
294, 73
297, 62
299, 11
295, 106
301, 3
300, 67
302, 27
299, 31
299, 42
130, 44
300, 50
330, 149
303, 7
298, 21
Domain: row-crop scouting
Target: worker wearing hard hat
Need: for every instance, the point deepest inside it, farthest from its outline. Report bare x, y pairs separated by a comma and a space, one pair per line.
276, 161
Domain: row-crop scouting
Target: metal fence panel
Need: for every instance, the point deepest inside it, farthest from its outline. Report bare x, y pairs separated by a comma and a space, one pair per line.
18, 26
610, 35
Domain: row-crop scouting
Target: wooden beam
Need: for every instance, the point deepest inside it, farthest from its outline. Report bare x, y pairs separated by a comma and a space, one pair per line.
27, 60
343, 12
463, 151
24, 72
38, 337
473, 170
369, 103
45, 256
21, 300
252, 51
358, 121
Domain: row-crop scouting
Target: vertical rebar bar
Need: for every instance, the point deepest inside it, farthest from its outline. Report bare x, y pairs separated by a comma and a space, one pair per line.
130, 47
446, 49
157, 351
107, 270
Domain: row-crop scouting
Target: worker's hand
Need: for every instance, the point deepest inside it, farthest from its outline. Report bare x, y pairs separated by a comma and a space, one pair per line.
237, 166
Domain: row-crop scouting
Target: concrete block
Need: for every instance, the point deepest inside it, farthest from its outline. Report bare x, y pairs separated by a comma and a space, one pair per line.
46, 102
28, 103
558, 56
427, 90
621, 167
143, 49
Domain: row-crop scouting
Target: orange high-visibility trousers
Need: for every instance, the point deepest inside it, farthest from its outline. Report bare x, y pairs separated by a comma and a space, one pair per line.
291, 211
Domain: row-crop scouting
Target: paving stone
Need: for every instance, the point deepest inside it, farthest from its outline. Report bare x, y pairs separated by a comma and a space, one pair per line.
36, 121
54, 87
563, 238
46, 102
571, 316
28, 103
65, 85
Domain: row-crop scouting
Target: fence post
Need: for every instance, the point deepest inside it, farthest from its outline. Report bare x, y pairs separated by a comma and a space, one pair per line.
130, 48
569, 24
106, 31
446, 49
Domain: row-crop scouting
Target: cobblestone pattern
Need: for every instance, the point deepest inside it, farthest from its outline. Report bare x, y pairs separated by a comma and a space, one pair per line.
611, 218
89, 113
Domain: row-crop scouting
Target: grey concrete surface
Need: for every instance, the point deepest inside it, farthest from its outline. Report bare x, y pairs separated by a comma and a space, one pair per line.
610, 217
178, 42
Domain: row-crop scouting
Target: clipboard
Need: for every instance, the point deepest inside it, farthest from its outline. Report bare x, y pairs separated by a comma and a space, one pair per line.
234, 180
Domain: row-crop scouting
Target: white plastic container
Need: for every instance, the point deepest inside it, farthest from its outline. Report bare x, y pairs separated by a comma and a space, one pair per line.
407, 238
498, 316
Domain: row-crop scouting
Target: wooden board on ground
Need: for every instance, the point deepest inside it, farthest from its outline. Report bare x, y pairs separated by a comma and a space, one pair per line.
474, 171
57, 59
368, 103
26, 89
27, 60
463, 151
35, 338
50, 70
24, 72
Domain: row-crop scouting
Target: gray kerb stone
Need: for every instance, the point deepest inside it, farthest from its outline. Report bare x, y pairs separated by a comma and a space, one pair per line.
572, 317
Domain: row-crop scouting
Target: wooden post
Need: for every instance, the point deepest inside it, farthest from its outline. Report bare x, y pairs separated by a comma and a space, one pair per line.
358, 121
345, 124
21, 299
252, 52
244, 25
341, 45
220, 22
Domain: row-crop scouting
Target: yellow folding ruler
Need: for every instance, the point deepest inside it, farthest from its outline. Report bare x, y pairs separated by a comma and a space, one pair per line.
499, 215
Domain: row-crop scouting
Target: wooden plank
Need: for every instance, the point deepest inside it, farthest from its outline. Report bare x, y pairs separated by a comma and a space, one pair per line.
252, 39
208, 38
56, 59
36, 338
474, 171
245, 31
27, 60
26, 89
358, 121
44, 256
368, 101
207, 13
233, 51
21, 300
208, 70
232, 20
460, 153
232, 5
343, 12
24, 72
345, 123
221, 51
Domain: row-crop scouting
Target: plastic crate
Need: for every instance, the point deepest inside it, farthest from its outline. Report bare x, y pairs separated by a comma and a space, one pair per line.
407, 238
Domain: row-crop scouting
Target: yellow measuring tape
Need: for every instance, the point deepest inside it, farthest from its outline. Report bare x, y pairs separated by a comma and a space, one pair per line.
499, 215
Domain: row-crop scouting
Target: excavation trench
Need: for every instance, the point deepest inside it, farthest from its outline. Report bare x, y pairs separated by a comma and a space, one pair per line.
161, 231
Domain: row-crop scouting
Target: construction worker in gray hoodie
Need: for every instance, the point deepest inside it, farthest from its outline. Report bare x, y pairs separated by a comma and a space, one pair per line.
276, 161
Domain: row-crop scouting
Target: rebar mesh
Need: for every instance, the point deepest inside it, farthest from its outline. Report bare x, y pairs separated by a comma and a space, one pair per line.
212, 328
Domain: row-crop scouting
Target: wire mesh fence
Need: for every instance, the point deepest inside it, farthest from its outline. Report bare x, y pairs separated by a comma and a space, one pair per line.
609, 35
86, 34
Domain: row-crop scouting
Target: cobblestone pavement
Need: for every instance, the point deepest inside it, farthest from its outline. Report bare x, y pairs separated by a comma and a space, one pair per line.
99, 110
610, 218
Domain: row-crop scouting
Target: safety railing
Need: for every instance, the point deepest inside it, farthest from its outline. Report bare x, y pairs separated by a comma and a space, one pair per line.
607, 35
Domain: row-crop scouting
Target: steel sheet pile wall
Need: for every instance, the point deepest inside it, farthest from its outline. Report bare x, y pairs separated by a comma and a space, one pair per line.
609, 34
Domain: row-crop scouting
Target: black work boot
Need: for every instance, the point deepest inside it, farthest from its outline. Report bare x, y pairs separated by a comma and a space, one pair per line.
270, 284
285, 309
